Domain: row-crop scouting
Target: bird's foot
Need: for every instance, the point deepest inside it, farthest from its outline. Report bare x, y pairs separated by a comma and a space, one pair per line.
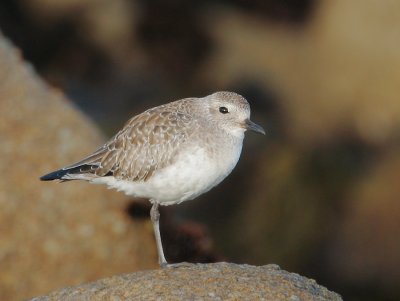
176, 265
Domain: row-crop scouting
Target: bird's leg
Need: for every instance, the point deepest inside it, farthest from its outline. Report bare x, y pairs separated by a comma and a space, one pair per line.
155, 218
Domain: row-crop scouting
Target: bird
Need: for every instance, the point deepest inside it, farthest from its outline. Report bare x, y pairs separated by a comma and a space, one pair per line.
170, 153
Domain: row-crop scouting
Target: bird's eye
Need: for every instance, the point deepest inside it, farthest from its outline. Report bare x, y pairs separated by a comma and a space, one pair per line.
223, 110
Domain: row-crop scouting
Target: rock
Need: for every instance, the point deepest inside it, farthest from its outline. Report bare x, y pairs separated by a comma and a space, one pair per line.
53, 234
217, 281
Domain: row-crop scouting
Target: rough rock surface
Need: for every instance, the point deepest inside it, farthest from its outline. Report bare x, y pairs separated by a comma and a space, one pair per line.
53, 235
216, 281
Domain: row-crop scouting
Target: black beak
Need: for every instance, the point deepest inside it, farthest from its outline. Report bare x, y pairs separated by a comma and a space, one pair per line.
250, 125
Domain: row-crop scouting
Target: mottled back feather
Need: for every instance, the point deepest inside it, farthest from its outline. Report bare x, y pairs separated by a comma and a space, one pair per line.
147, 142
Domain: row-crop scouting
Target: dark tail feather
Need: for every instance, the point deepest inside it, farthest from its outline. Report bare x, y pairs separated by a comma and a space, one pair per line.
55, 175
59, 174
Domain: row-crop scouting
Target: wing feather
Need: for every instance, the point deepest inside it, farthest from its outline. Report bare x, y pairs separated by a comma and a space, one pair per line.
147, 142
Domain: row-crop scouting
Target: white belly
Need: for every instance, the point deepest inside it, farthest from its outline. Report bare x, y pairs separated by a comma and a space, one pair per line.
193, 173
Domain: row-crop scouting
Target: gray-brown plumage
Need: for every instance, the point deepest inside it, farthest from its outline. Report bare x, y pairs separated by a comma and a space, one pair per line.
171, 153
147, 142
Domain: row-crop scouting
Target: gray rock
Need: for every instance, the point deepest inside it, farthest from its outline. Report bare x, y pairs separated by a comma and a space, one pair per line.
217, 281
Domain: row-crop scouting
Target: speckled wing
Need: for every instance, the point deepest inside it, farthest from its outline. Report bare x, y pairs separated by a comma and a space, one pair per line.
147, 142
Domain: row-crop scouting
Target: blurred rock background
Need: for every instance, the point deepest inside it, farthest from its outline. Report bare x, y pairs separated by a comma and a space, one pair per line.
51, 235
320, 194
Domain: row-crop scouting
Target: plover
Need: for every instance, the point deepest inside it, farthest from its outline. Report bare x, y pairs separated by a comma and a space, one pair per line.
171, 153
